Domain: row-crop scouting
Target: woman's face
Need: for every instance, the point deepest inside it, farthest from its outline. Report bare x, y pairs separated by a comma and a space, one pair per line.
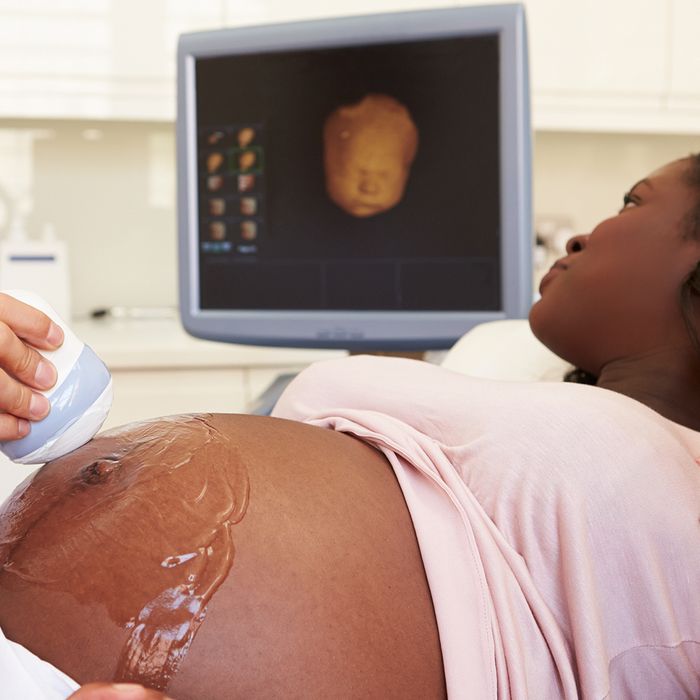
616, 292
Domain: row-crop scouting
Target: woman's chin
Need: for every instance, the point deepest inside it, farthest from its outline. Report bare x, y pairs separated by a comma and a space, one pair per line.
550, 331
535, 320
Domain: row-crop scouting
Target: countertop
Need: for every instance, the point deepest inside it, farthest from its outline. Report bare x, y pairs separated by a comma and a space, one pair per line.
162, 343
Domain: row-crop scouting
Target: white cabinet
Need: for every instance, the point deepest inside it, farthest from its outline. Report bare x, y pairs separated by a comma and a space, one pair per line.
238, 12
616, 48
140, 394
684, 92
598, 65
157, 369
94, 58
625, 65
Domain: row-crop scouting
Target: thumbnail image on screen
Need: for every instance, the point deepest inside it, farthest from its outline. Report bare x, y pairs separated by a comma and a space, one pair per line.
363, 177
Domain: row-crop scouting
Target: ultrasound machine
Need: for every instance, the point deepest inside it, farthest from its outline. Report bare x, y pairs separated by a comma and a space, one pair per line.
286, 131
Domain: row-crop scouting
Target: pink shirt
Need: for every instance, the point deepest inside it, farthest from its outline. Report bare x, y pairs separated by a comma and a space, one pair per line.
559, 525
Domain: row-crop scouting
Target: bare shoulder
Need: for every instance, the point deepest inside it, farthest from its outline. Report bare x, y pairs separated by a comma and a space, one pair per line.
222, 556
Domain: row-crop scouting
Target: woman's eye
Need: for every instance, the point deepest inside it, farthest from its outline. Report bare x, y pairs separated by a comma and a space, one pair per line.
629, 199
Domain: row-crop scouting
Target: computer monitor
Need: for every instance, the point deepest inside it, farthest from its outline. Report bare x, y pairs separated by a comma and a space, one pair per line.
356, 182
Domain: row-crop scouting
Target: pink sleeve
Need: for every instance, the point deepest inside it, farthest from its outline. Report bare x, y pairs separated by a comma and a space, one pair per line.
402, 388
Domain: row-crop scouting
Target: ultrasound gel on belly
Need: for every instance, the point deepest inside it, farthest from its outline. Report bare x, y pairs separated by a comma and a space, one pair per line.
80, 400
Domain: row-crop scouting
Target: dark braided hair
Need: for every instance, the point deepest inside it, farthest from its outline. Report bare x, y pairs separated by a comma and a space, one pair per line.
690, 290
692, 177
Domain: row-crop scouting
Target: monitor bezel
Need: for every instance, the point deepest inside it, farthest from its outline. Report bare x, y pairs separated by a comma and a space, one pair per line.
365, 330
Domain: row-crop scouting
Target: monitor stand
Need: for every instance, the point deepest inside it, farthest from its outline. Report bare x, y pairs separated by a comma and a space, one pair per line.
262, 405
265, 402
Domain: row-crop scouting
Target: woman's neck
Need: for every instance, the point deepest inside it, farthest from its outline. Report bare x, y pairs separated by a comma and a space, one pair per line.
666, 380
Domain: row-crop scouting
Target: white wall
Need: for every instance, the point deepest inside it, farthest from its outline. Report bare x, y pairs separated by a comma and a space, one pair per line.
583, 176
109, 190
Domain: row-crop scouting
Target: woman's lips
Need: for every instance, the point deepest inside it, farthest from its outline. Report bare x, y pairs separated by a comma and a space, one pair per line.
553, 272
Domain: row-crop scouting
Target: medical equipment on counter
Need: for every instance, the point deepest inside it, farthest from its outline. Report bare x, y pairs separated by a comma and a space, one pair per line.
135, 312
39, 265
80, 399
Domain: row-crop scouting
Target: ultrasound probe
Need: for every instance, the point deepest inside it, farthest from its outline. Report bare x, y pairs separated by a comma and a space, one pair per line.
80, 399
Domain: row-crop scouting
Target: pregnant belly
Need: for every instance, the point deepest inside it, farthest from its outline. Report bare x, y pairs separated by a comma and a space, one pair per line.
221, 556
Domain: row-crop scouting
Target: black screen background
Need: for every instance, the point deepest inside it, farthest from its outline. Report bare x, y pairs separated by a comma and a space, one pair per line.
444, 235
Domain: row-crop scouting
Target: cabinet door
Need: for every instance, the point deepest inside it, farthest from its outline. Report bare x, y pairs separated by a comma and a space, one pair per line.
144, 34
238, 12
599, 47
599, 65
684, 97
149, 394
94, 58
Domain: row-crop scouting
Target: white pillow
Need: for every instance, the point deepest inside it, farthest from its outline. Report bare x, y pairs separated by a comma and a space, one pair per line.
504, 350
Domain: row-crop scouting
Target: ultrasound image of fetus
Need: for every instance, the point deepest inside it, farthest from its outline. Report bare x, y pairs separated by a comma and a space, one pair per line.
249, 206
245, 136
217, 230
214, 162
369, 147
217, 206
247, 160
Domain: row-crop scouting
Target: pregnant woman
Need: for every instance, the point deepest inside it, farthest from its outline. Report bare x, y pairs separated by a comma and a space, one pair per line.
424, 533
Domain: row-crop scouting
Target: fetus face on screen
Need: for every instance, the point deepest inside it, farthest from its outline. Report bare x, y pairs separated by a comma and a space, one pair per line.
368, 150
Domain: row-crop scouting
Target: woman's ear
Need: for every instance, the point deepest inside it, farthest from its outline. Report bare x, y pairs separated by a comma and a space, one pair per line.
690, 310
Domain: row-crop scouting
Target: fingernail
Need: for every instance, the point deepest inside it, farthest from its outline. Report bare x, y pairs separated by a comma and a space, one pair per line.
22, 427
45, 374
38, 406
128, 689
55, 334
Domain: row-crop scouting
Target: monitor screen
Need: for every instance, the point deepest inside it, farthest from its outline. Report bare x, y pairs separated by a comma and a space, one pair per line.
358, 182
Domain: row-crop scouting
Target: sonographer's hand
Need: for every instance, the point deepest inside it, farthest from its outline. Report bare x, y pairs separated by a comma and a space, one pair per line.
119, 691
21, 367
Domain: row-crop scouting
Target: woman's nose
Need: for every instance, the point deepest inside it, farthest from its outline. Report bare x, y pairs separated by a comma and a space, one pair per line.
577, 243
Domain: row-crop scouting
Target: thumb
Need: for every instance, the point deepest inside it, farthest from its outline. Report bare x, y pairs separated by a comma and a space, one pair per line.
116, 691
